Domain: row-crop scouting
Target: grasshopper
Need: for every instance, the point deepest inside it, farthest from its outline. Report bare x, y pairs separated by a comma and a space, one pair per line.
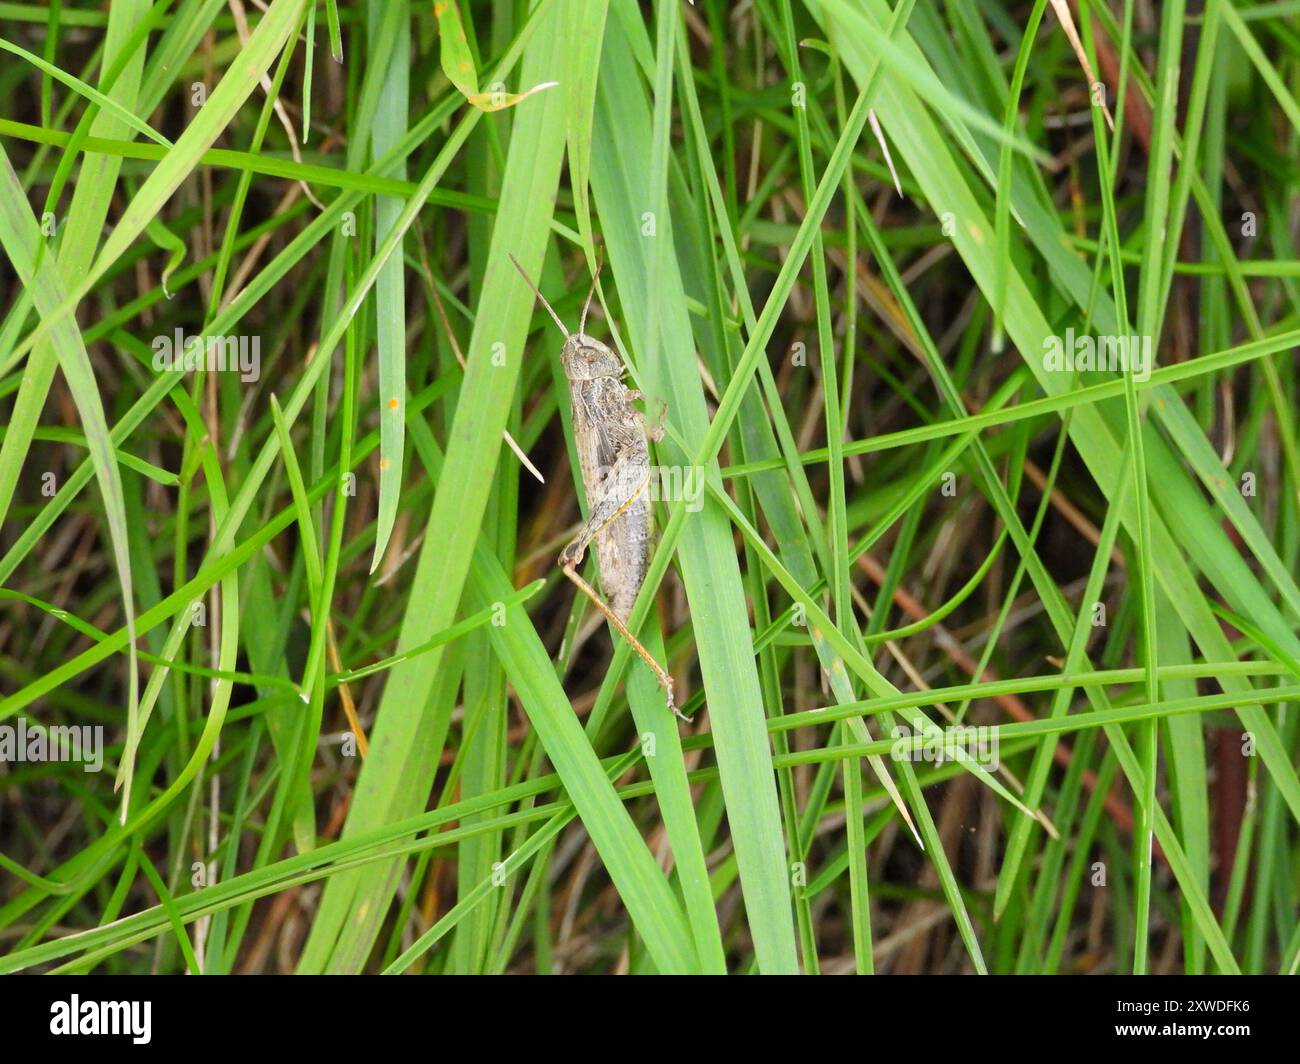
614, 460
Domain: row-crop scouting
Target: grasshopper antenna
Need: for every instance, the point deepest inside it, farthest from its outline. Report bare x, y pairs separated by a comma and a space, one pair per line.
582, 325
549, 309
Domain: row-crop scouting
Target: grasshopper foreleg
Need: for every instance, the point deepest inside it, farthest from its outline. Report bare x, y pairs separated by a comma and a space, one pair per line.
655, 432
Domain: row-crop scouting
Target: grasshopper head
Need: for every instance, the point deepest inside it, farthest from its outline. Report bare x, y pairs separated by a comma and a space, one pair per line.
585, 359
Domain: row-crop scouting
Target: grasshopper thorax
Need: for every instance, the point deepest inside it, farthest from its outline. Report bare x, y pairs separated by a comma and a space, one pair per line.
585, 359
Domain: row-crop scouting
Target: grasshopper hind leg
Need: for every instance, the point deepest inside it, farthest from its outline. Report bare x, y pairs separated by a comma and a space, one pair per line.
661, 674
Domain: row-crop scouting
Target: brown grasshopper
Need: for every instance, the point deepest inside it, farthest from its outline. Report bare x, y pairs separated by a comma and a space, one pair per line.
614, 459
